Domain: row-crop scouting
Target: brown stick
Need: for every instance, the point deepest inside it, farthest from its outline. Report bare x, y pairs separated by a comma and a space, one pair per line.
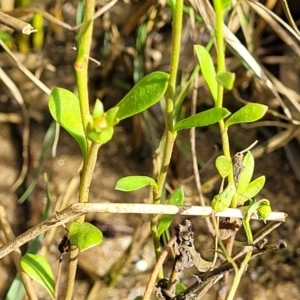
16, 24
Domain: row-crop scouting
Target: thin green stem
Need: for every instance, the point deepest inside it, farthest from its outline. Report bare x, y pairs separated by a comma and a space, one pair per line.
84, 189
221, 68
87, 174
81, 70
238, 276
170, 135
81, 64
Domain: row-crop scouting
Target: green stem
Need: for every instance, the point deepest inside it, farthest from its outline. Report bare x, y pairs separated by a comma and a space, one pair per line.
238, 276
221, 68
81, 70
84, 189
81, 64
170, 135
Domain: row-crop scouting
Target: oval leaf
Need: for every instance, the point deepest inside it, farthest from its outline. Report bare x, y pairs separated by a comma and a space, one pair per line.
247, 173
264, 210
37, 267
133, 183
226, 79
65, 110
252, 190
177, 198
84, 235
204, 118
247, 114
144, 94
223, 165
222, 201
208, 69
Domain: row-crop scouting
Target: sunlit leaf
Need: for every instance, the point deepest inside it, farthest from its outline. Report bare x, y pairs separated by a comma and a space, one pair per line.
247, 114
226, 79
208, 69
65, 110
133, 183
225, 3
84, 235
253, 188
144, 94
264, 210
223, 165
37, 267
222, 201
247, 173
204, 118
180, 287
177, 198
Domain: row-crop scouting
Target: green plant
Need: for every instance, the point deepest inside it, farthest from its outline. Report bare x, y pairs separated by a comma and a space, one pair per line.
91, 130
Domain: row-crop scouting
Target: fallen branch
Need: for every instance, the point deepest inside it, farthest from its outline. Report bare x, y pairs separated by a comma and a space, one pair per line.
16, 24
76, 210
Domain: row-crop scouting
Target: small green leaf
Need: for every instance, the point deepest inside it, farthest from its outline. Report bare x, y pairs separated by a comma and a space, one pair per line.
84, 235
37, 267
223, 165
247, 114
264, 210
98, 109
225, 3
253, 188
144, 94
101, 137
133, 183
226, 79
247, 173
222, 201
177, 198
208, 69
180, 287
204, 118
65, 110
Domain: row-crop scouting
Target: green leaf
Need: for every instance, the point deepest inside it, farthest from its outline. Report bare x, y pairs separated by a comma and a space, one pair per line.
223, 165
180, 287
16, 290
37, 267
65, 110
101, 137
84, 235
247, 114
253, 188
133, 183
264, 210
144, 94
208, 69
226, 79
177, 198
222, 201
225, 3
204, 118
247, 173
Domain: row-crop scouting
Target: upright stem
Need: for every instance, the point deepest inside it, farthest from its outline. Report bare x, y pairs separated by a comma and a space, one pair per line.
84, 188
81, 64
170, 135
81, 70
223, 129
